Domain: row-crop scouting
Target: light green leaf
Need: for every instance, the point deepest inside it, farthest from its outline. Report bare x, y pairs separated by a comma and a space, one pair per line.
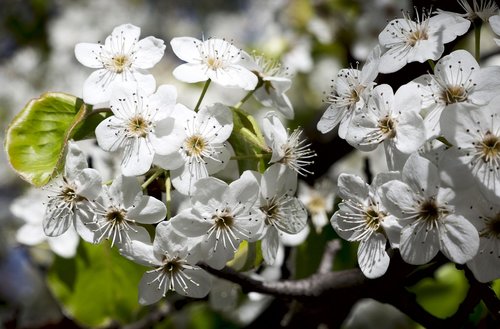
97, 286
35, 140
442, 295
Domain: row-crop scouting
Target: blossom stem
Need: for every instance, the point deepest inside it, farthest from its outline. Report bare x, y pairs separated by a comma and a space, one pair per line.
244, 99
477, 39
203, 92
154, 176
168, 197
431, 64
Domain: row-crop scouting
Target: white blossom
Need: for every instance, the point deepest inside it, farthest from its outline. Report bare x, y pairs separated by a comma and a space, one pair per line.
287, 148
214, 59
427, 214
204, 149
475, 133
406, 40
120, 208
283, 212
222, 216
71, 194
141, 126
457, 79
391, 119
174, 266
273, 83
362, 217
123, 57
349, 94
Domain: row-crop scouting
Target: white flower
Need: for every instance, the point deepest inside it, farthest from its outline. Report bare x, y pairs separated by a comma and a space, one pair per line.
273, 83
485, 216
409, 41
391, 119
204, 149
457, 79
141, 126
71, 195
123, 57
483, 11
174, 266
349, 94
289, 149
361, 217
475, 132
222, 216
495, 26
430, 222
214, 59
318, 200
30, 208
119, 210
283, 212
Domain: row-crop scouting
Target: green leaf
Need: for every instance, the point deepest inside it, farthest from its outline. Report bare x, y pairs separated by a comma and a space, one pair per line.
247, 257
97, 286
247, 141
36, 138
442, 295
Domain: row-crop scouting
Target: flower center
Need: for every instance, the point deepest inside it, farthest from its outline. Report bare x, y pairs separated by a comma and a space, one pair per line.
116, 216
171, 266
68, 194
373, 218
272, 211
120, 63
454, 94
138, 126
419, 34
223, 219
492, 229
489, 147
430, 211
195, 145
386, 126
316, 204
214, 63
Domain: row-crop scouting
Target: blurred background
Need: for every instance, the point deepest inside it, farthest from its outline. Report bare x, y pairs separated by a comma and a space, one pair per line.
313, 39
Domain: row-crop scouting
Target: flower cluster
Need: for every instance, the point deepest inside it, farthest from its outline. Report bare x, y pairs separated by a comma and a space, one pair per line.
155, 139
441, 137
235, 180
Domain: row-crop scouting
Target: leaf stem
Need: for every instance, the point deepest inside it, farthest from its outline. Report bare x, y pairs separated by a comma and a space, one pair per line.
151, 178
477, 39
203, 92
244, 99
168, 196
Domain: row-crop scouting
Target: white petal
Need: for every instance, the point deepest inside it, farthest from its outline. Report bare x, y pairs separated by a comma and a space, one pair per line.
485, 264
149, 290
460, 239
149, 53
331, 118
270, 245
125, 190
410, 132
137, 157
147, 210
418, 246
97, 87
190, 72
352, 187
65, 245
57, 218
218, 117
186, 48
89, 54
198, 283
123, 37
372, 258
190, 224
